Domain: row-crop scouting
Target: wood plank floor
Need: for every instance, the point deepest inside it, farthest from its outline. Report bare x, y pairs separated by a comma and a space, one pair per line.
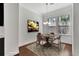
26, 52
67, 50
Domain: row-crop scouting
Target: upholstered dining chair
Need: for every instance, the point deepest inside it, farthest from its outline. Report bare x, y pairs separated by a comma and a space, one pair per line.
51, 37
40, 39
57, 42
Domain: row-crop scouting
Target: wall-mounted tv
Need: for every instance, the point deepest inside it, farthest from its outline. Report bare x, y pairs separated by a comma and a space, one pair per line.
1, 14
32, 26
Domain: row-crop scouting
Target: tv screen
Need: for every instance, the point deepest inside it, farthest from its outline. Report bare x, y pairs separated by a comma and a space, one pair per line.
1, 14
32, 26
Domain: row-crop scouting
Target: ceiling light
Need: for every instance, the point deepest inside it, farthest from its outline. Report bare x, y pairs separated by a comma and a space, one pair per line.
49, 3
45, 22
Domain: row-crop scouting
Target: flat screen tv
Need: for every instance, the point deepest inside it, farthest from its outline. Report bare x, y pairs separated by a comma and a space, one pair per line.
1, 14
32, 26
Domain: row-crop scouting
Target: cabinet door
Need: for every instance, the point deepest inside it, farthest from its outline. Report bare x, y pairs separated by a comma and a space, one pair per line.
1, 46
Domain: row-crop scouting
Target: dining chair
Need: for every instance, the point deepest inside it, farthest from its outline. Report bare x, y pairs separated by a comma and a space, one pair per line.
51, 37
40, 39
57, 42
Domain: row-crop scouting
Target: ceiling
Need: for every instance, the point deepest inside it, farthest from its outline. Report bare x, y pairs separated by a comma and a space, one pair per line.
42, 8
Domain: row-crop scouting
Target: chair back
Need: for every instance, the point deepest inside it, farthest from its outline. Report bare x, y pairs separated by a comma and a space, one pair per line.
40, 37
51, 36
57, 40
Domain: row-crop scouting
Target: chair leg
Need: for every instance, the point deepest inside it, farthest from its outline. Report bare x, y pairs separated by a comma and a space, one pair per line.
51, 43
37, 44
59, 47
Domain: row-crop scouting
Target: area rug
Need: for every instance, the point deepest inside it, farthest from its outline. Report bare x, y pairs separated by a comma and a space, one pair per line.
44, 51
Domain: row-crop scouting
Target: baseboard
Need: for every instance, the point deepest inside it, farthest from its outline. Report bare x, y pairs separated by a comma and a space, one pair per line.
12, 53
16, 54
66, 43
27, 43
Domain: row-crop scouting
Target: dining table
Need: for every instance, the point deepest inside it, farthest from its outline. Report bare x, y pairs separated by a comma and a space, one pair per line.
47, 44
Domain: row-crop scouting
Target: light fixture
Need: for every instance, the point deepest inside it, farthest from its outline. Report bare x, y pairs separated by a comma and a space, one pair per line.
47, 22
49, 3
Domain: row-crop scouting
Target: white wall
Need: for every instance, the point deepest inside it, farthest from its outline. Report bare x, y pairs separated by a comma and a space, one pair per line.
24, 15
11, 18
1, 31
59, 12
76, 28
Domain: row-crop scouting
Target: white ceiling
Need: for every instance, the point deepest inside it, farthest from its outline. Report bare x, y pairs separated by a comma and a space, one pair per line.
42, 8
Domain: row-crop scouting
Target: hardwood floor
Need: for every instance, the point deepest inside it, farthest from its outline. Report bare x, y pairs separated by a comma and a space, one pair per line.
67, 50
26, 52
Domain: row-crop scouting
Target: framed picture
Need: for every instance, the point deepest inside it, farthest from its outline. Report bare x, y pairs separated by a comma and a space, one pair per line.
32, 26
